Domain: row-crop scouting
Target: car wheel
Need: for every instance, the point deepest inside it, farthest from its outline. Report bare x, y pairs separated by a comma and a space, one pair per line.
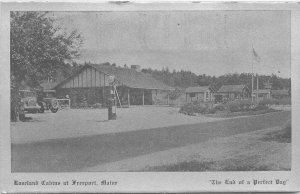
42, 109
54, 110
22, 117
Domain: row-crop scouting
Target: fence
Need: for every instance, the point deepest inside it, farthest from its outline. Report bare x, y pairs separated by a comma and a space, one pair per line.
64, 103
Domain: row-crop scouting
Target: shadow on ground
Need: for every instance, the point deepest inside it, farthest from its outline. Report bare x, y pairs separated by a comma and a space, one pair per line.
73, 154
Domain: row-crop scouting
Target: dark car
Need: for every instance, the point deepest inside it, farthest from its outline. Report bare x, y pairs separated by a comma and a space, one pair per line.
34, 102
48, 101
29, 101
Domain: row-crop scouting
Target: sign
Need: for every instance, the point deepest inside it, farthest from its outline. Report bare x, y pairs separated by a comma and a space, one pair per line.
111, 79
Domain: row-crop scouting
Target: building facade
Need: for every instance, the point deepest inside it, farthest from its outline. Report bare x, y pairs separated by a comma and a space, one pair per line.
92, 85
281, 94
262, 94
200, 94
233, 92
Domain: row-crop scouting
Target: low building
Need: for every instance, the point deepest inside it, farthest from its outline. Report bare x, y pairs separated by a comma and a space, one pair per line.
90, 86
262, 93
280, 94
200, 94
233, 92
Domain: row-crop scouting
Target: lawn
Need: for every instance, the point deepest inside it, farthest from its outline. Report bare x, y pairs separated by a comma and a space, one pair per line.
265, 150
237, 114
282, 136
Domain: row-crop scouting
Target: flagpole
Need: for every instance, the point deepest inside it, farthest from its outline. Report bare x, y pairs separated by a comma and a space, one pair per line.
257, 89
252, 77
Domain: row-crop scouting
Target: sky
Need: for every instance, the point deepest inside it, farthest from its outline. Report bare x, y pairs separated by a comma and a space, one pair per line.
204, 42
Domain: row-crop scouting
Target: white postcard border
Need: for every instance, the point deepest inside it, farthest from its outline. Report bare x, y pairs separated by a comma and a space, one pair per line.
147, 181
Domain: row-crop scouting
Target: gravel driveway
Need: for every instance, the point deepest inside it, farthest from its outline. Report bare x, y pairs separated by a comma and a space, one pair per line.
87, 122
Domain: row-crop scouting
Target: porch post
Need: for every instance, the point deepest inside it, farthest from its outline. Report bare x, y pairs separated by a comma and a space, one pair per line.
128, 97
143, 97
103, 95
168, 98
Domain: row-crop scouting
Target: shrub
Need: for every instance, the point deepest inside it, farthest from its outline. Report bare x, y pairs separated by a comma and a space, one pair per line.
260, 107
284, 101
240, 105
197, 107
175, 94
220, 107
233, 107
97, 105
268, 102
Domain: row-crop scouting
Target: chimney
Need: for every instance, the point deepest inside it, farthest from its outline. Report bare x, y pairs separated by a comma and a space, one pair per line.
136, 68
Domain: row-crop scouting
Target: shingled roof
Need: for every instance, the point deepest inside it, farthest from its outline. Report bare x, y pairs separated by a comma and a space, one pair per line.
231, 88
198, 89
48, 85
128, 77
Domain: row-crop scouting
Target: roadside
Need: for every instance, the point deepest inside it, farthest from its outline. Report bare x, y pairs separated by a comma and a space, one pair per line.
263, 150
241, 114
74, 154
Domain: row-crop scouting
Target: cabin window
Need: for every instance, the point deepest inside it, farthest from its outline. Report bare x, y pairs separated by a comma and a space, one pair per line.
207, 95
192, 95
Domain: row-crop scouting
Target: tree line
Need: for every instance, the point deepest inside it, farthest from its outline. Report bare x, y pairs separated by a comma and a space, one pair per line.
184, 79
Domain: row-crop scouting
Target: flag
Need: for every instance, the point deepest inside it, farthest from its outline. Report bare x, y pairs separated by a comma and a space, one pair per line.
255, 56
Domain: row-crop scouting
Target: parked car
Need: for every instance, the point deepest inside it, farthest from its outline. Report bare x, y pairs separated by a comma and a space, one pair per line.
47, 100
34, 102
49, 104
29, 101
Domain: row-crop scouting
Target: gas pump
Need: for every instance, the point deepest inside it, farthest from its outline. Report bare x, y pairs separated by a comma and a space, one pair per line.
112, 108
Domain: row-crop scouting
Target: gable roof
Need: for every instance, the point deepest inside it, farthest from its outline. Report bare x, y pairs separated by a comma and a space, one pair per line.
128, 77
131, 77
49, 85
231, 88
198, 89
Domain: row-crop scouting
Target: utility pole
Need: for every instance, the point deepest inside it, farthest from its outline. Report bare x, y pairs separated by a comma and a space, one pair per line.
112, 113
252, 81
257, 89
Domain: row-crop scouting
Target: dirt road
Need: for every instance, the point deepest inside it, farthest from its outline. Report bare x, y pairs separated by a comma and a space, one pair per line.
72, 154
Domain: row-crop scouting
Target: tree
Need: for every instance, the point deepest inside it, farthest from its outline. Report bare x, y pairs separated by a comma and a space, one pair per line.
38, 48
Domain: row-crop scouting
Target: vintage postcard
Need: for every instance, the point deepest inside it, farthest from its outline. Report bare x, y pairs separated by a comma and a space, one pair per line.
152, 97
